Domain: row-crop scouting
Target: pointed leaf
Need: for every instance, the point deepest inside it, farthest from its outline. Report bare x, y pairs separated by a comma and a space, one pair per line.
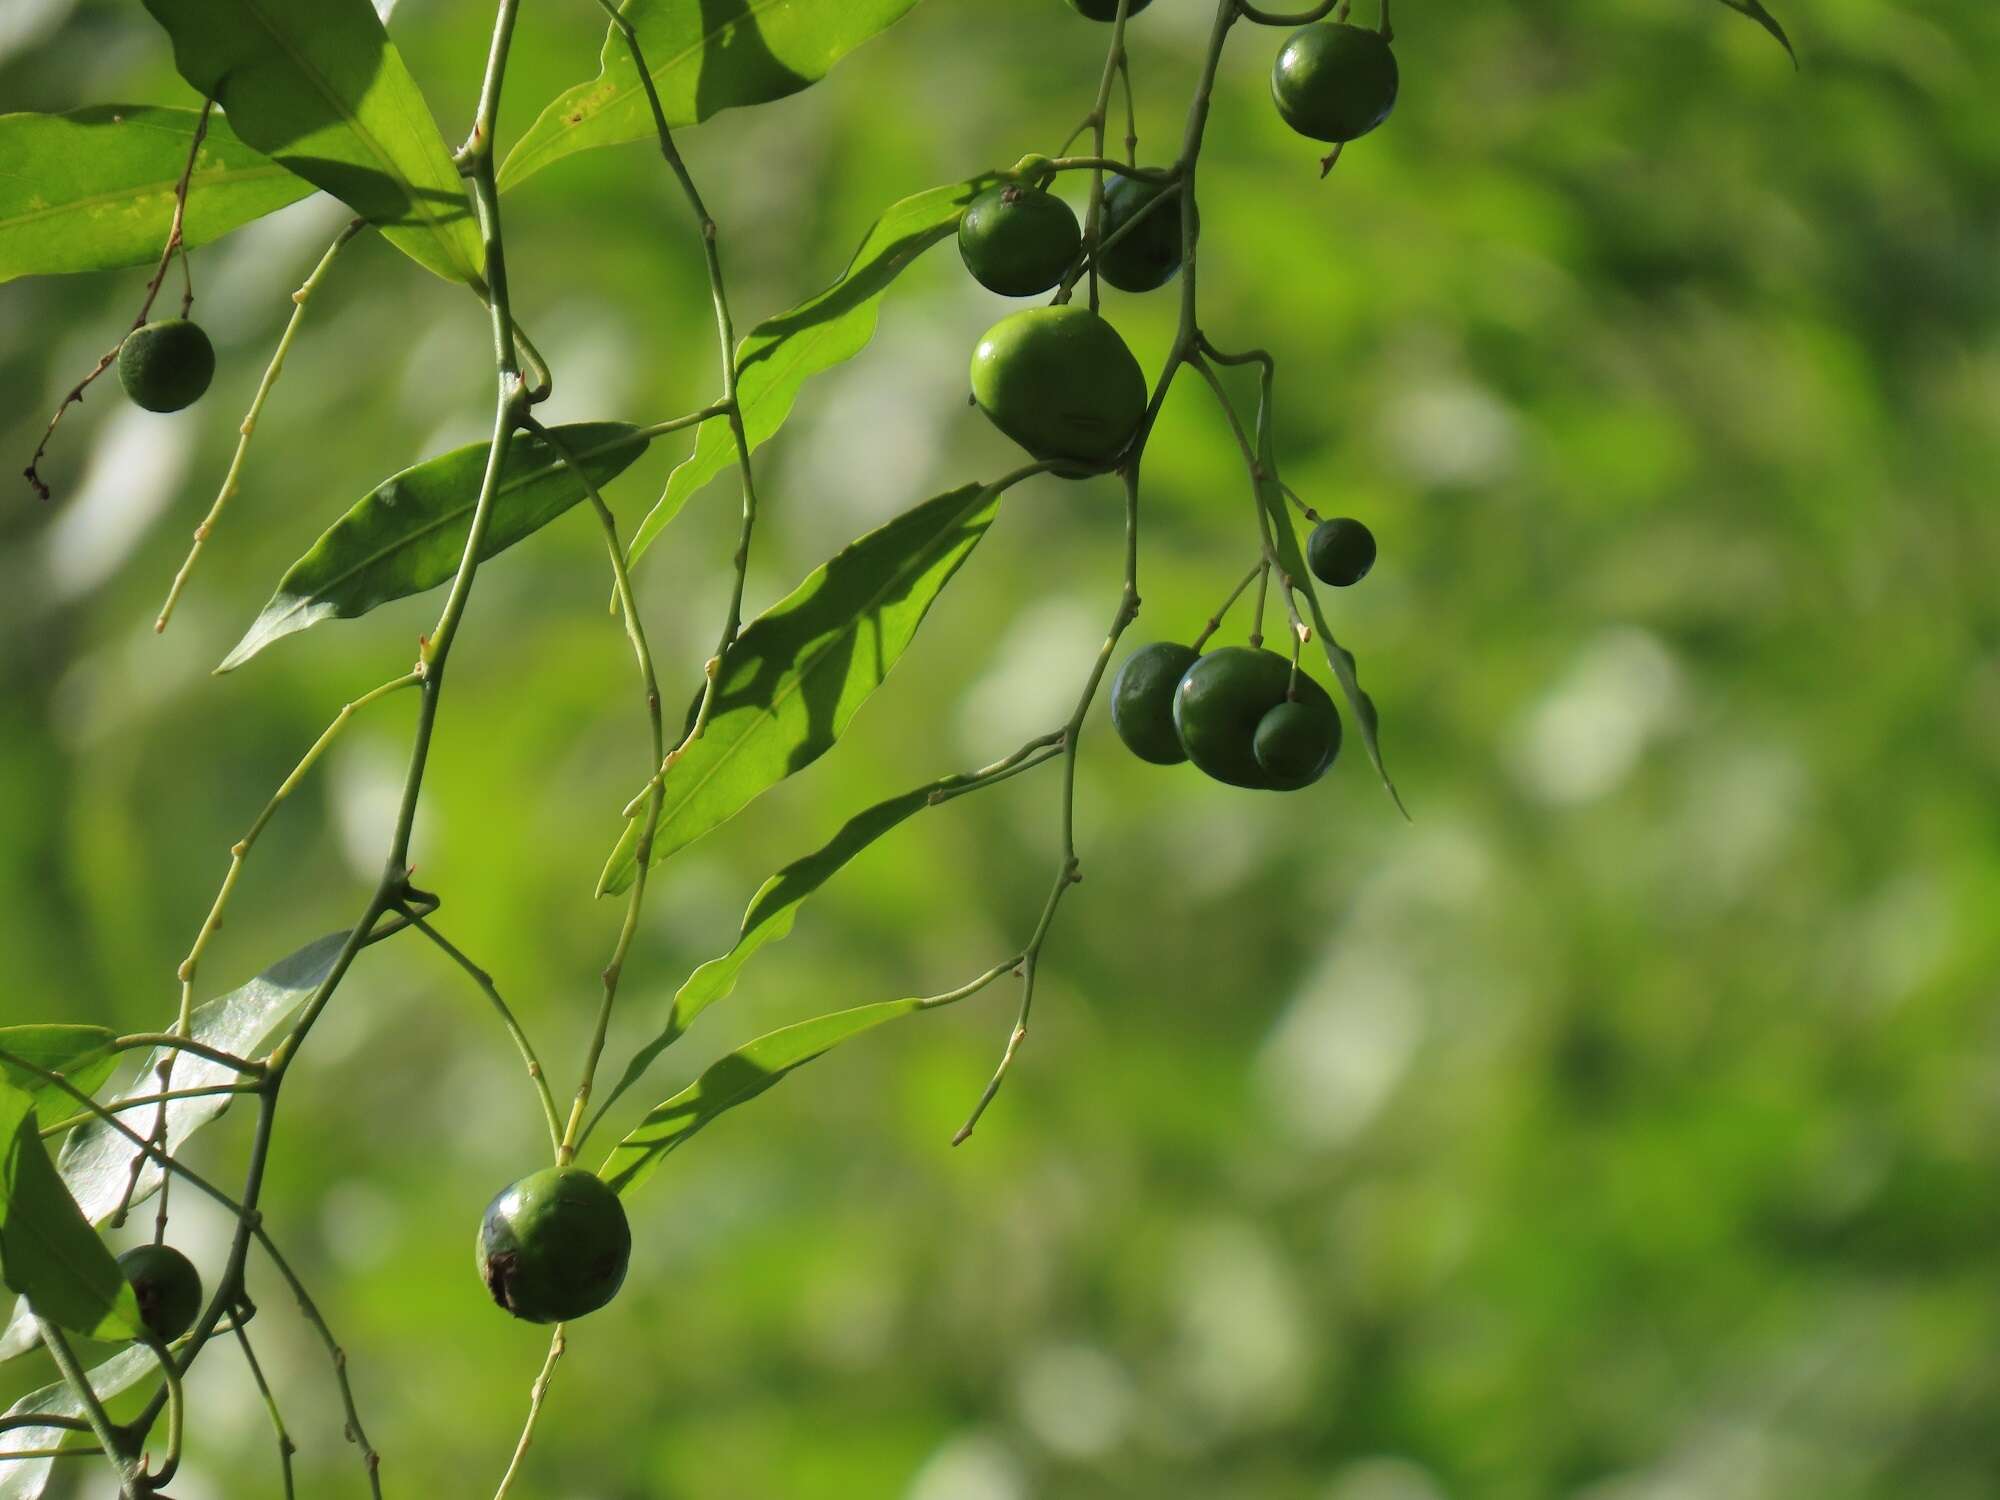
48, 1253
82, 1054
321, 89
742, 1075
97, 1161
26, 1478
770, 918
781, 354
1292, 560
799, 673
705, 57
93, 189
407, 535
1755, 10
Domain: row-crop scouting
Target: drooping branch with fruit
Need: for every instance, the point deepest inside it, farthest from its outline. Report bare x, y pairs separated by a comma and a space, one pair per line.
300, 97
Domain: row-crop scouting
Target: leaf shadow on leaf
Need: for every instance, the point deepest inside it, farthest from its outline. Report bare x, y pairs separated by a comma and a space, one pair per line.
740, 58
357, 185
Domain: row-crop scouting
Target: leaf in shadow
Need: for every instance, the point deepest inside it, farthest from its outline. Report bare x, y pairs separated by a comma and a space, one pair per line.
26, 1478
408, 534
93, 189
82, 1054
799, 672
782, 353
321, 89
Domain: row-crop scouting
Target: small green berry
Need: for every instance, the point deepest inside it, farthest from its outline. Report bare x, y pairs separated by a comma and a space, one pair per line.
166, 365
167, 1286
1340, 551
1335, 82
1142, 701
1018, 241
1296, 742
1060, 382
1149, 255
1106, 10
554, 1246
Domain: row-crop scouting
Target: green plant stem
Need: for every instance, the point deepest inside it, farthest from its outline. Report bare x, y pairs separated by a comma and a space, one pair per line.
536, 1075
108, 1435
1259, 570
140, 1100
233, 477
1093, 218
286, 1447
649, 682
44, 1419
537, 1394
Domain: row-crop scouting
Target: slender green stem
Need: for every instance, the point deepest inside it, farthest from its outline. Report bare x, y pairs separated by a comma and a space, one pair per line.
536, 1076
53, 1421
537, 1394
137, 1101
108, 1435
1257, 571
232, 479
1093, 218
286, 1447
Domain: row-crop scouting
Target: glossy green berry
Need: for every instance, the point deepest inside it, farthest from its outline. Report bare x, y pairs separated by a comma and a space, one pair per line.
166, 365
1106, 10
1060, 382
1340, 551
1147, 256
167, 1286
1335, 82
554, 1246
1297, 741
1221, 702
1018, 241
1142, 701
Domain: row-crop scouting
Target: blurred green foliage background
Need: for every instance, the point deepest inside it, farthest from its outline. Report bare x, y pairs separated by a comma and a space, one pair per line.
1623, 1128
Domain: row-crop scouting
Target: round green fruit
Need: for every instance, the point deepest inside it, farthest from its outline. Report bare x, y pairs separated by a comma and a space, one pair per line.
1106, 10
1060, 382
1296, 742
1018, 241
1340, 551
166, 365
1148, 256
554, 1246
1142, 701
1335, 82
1221, 702
168, 1289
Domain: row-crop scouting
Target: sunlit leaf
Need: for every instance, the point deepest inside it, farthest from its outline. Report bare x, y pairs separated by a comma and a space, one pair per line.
48, 1252
93, 189
800, 671
408, 534
742, 1075
26, 1478
705, 57
781, 354
320, 88
1755, 10
82, 1054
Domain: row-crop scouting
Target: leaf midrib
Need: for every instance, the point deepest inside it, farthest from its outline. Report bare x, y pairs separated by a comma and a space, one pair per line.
220, 177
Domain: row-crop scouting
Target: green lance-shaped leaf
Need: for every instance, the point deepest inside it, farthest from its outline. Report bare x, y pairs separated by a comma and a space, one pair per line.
82, 1054
320, 88
781, 354
1294, 564
96, 1161
93, 189
408, 534
26, 1478
1755, 10
800, 671
772, 911
706, 56
48, 1252
742, 1075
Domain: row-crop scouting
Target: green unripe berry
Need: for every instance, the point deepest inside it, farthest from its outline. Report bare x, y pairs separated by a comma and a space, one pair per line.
1060, 382
1340, 551
1148, 256
1018, 241
167, 1286
554, 1246
1296, 742
1106, 10
1222, 700
166, 365
1142, 701
1335, 82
